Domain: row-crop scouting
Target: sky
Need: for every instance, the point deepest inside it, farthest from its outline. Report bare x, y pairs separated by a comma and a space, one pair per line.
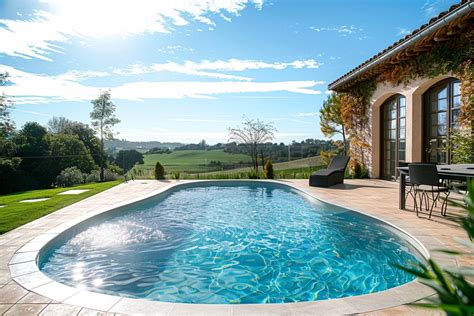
187, 70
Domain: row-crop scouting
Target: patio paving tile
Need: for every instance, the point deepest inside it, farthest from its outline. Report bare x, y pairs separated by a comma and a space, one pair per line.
130, 306
11, 294
93, 300
23, 268
33, 280
4, 308
60, 309
33, 298
92, 312
25, 309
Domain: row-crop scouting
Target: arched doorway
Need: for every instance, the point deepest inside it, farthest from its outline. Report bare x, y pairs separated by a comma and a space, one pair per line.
393, 135
441, 106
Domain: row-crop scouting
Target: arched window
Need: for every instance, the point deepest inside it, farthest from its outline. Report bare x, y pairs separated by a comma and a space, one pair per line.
441, 104
393, 139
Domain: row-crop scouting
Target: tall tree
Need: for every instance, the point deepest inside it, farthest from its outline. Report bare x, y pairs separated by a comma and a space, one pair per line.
9, 165
103, 120
6, 124
252, 133
330, 119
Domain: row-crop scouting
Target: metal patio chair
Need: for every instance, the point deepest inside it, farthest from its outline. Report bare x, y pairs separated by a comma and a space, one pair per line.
427, 185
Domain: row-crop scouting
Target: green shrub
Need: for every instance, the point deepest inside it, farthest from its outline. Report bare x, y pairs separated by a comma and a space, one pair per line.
110, 175
268, 170
69, 177
357, 171
254, 174
176, 175
115, 169
94, 176
159, 171
462, 145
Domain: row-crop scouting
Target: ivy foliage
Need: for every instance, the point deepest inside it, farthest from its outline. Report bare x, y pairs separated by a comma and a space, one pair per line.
450, 57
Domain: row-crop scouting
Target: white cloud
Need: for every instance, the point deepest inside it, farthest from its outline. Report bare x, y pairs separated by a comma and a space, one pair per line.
31, 112
76, 75
344, 30
307, 114
172, 49
60, 21
432, 7
206, 68
197, 120
32, 88
401, 31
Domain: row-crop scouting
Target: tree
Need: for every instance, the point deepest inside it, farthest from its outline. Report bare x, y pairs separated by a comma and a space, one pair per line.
33, 149
6, 124
126, 159
330, 119
9, 165
62, 125
103, 119
69, 151
252, 134
268, 170
159, 171
59, 125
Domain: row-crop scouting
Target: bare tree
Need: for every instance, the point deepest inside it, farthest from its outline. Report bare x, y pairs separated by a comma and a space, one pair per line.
252, 133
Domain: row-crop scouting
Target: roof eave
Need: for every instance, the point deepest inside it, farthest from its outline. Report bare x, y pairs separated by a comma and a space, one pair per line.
458, 12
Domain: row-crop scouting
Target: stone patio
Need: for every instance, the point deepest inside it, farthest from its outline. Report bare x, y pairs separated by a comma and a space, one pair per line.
374, 197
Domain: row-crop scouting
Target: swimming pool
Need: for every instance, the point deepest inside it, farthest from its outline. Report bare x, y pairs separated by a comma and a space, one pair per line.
230, 242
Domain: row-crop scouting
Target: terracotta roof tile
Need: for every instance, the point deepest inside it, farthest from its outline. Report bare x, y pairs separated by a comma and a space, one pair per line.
402, 40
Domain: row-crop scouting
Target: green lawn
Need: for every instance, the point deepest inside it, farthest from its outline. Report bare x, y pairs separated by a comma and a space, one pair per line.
190, 161
15, 214
301, 165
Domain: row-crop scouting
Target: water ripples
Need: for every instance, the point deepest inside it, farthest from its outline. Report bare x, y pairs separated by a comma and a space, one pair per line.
252, 243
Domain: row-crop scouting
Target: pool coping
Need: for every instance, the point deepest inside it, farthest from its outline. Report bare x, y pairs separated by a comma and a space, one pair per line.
25, 271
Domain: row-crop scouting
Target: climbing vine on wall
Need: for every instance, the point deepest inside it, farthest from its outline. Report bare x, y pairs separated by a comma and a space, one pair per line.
454, 56
354, 112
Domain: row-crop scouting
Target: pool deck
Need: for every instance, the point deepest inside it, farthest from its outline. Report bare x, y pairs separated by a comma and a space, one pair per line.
38, 295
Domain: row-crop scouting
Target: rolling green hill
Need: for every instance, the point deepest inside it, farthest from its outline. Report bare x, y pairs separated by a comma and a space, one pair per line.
193, 161
203, 162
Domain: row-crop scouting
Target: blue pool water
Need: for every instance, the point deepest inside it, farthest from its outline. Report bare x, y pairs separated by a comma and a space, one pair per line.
231, 243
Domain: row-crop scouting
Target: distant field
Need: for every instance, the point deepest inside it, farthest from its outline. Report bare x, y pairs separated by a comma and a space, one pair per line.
192, 161
196, 164
294, 165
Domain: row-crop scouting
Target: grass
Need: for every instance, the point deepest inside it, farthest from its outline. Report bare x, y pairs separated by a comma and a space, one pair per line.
15, 214
295, 169
190, 161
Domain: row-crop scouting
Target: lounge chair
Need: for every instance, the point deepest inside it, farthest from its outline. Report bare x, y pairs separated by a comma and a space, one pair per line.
333, 175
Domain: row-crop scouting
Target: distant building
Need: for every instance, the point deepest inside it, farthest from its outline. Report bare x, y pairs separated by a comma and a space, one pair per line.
410, 115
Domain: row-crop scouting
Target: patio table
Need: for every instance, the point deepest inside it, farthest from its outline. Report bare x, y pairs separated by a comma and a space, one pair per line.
448, 172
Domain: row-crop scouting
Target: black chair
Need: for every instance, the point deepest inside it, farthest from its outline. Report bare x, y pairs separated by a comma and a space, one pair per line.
409, 187
333, 175
426, 182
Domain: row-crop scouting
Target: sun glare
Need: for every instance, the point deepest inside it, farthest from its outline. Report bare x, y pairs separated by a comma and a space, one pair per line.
91, 18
